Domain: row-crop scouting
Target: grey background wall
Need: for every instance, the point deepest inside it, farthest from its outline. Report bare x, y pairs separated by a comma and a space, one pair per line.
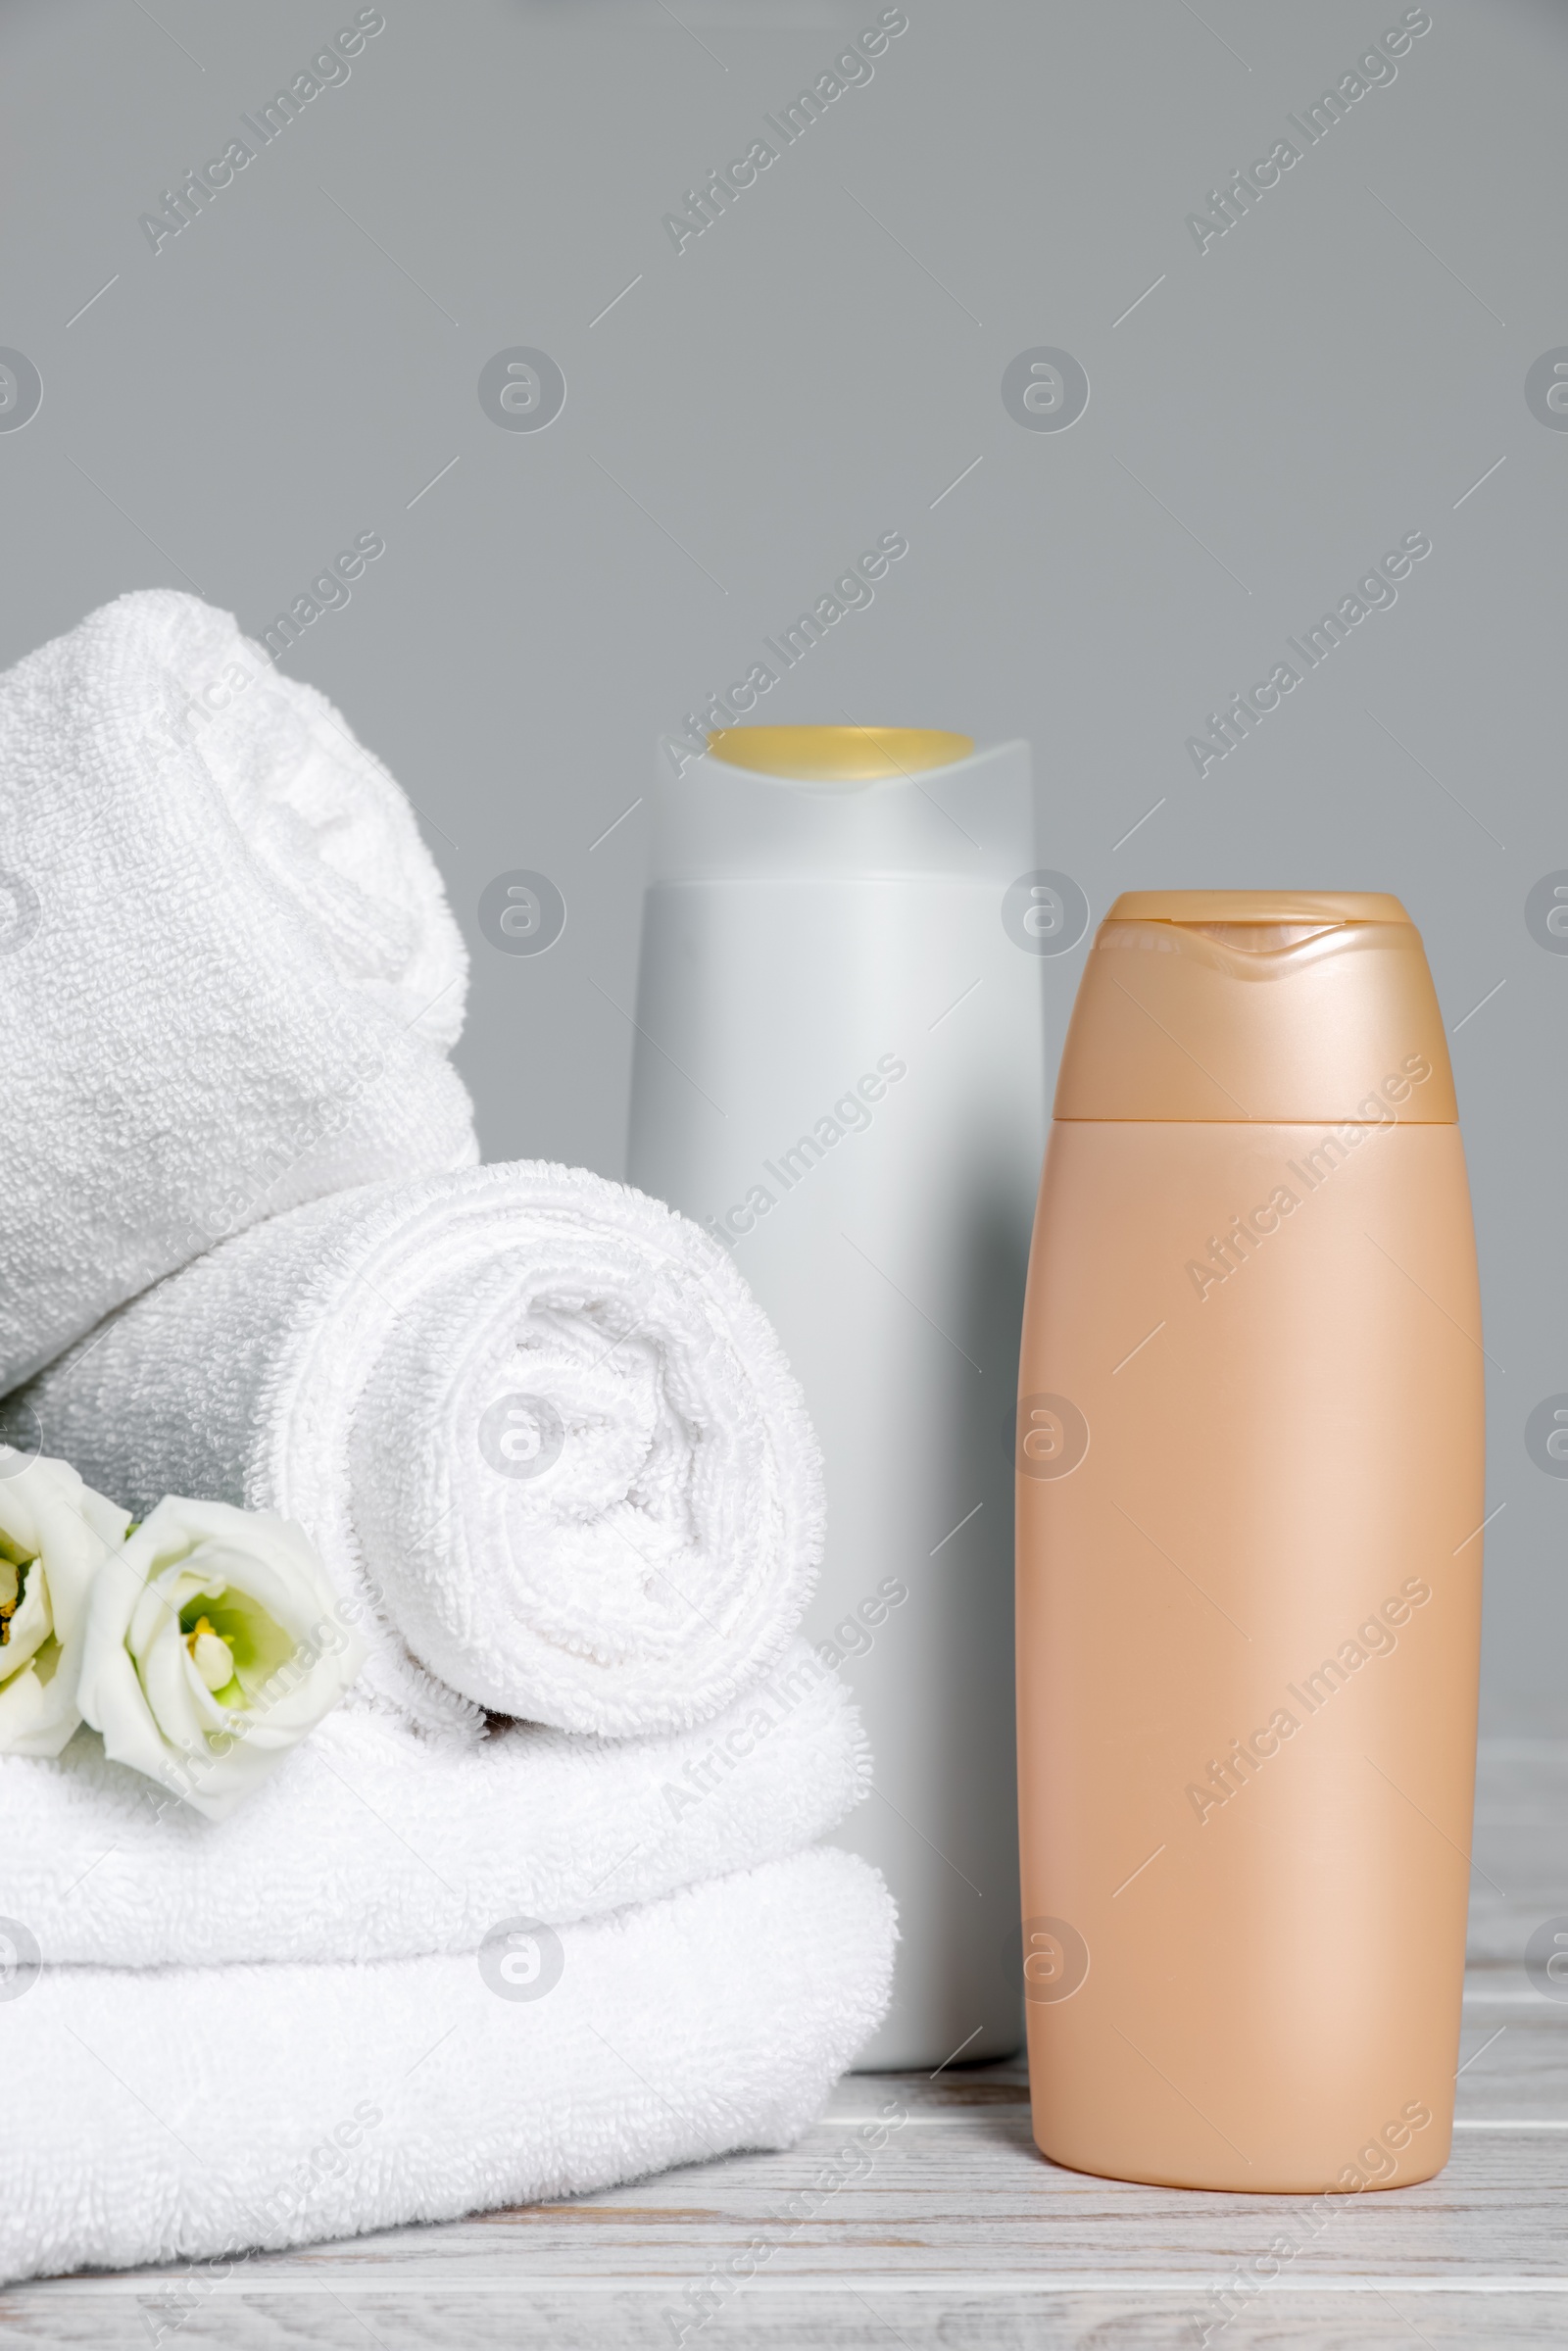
1270, 409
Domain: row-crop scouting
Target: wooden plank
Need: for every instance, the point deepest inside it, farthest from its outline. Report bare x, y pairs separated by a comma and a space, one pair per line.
766, 2320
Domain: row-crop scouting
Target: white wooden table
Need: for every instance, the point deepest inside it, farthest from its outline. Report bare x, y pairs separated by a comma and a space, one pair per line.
960, 2234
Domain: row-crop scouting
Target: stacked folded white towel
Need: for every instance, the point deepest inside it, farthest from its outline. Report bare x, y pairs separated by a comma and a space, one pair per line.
373, 1842
192, 2113
531, 1912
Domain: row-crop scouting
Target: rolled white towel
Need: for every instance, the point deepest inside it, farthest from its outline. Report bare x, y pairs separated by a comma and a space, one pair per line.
371, 1843
535, 1417
189, 2114
229, 970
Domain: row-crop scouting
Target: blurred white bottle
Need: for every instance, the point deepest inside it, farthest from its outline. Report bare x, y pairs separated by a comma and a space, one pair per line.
840, 1072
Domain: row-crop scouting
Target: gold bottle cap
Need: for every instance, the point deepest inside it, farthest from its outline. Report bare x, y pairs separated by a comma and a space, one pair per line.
848, 754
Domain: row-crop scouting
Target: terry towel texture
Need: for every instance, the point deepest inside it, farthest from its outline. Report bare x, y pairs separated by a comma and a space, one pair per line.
535, 1416
230, 972
189, 2114
371, 1843
551, 1454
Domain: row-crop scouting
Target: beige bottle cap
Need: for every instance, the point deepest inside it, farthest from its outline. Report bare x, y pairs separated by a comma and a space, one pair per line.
1256, 906
859, 755
1288, 1006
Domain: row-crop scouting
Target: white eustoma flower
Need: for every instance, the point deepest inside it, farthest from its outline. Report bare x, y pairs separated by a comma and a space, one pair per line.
213, 1643
55, 1534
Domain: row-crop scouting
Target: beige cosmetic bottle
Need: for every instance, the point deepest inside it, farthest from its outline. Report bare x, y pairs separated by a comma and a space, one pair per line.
1249, 1505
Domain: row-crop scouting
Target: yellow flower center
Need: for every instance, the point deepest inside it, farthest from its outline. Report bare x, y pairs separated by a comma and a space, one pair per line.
210, 1654
13, 1584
